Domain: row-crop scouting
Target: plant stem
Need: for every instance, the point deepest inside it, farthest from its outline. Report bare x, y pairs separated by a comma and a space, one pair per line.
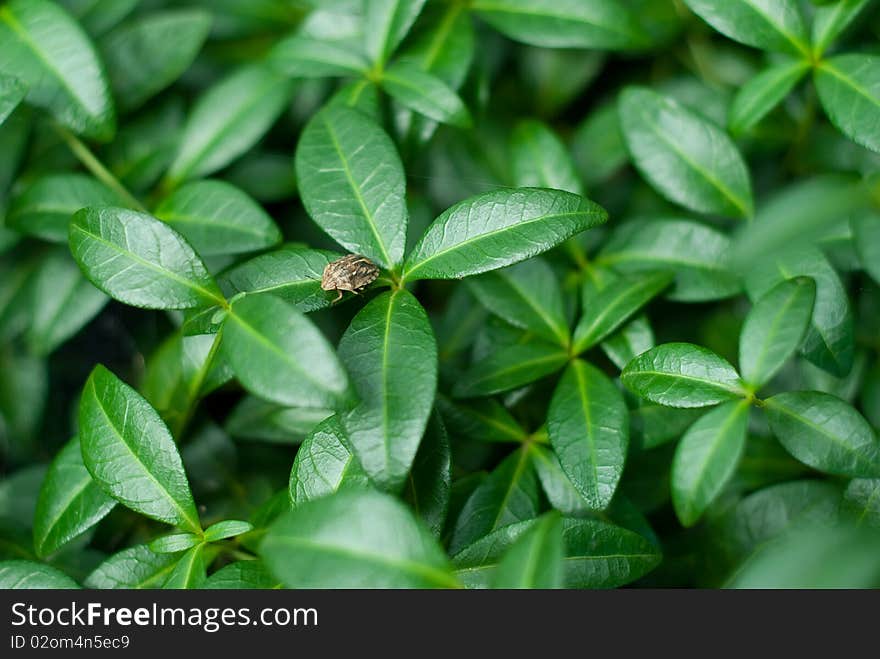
96, 167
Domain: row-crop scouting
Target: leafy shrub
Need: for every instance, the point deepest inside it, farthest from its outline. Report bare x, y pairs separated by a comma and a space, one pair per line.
534, 389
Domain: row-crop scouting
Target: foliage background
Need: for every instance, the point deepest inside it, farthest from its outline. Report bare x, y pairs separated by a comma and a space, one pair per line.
734, 146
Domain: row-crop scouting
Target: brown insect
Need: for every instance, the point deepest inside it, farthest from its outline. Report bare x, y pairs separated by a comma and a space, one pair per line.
350, 273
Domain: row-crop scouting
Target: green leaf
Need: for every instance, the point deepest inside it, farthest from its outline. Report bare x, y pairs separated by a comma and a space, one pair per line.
99, 16
299, 56
682, 375
189, 572
606, 309
133, 568
499, 228
390, 352
254, 418
242, 575
541, 160
47, 51
476, 563
12, 91
706, 458
829, 343
425, 93
824, 432
65, 301
829, 22
483, 420
775, 25
355, 539
597, 145
683, 156
130, 453
27, 575
849, 89
507, 496
593, 24
764, 92
866, 239
352, 184
601, 555
70, 502
293, 274
695, 252
278, 354
428, 486
174, 543
557, 486
139, 260
386, 23
218, 218
535, 560
630, 341
227, 120
774, 329
863, 498
588, 424
227, 529
653, 425
45, 207
324, 464
510, 367
146, 55
526, 295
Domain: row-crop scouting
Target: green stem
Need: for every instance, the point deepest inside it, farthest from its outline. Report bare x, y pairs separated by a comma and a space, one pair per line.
96, 167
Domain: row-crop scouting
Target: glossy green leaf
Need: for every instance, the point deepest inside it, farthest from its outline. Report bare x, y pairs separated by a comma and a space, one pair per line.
227, 529
242, 575
70, 502
849, 88
706, 458
606, 309
768, 24
476, 563
352, 184
829, 22
218, 218
557, 486
483, 420
824, 432
293, 274
428, 486
601, 555
540, 159
257, 419
174, 543
390, 352
46, 50
130, 453
425, 93
12, 91
499, 228
189, 572
27, 575
829, 343
597, 145
507, 496
45, 207
653, 425
300, 56
228, 119
139, 260
386, 23
133, 568
863, 498
527, 295
630, 341
535, 560
682, 375
278, 354
593, 24
65, 301
99, 16
146, 55
696, 253
764, 92
866, 234
356, 539
324, 464
774, 329
683, 156
510, 367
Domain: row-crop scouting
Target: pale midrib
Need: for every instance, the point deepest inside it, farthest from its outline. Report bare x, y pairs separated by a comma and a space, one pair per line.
514, 481
588, 335
794, 41
690, 378
76, 491
151, 266
836, 73
515, 11
645, 256
514, 432
441, 35
355, 188
782, 409
774, 325
588, 427
386, 341
519, 366
194, 525
412, 567
489, 234
720, 436
172, 218
796, 71
560, 332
